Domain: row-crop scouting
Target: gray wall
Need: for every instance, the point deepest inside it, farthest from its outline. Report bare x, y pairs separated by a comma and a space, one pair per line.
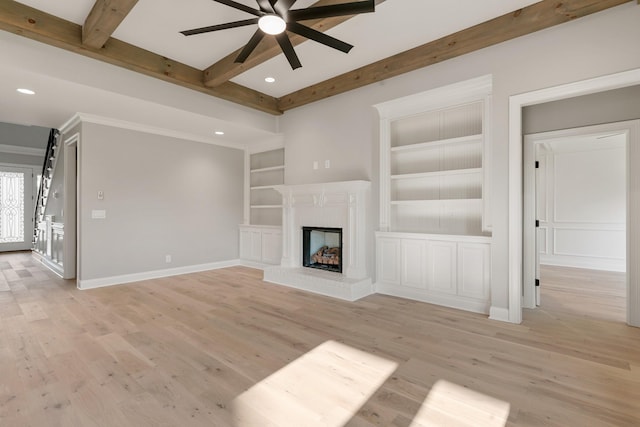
24, 136
162, 196
344, 127
604, 107
22, 159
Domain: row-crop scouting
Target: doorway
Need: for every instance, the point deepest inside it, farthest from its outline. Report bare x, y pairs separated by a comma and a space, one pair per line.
16, 208
515, 214
575, 191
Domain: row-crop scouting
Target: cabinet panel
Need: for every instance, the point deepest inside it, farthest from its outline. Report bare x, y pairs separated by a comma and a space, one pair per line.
250, 244
442, 261
271, 247
413, 263
473, 270
261, 244
388, 265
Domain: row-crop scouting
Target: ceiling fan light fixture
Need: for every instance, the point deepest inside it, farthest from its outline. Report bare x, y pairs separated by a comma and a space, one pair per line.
272, 24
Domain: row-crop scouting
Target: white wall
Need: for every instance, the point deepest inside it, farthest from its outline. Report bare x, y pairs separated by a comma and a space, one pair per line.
162, 196
581, 207
344, 128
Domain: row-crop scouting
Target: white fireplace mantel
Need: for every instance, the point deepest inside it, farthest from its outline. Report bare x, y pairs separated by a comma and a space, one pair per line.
336, 205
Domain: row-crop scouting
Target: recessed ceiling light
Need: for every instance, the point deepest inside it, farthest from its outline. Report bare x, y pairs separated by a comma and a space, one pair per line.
269, 79
219, 132
26, 91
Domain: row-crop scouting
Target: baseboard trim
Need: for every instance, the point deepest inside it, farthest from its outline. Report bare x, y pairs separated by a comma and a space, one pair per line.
619, 266
254, 264
500, 314
54, 267
156, 274
451, 301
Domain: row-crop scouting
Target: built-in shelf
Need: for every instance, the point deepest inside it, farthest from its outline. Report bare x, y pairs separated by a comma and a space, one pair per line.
431, 244
273, 168
439, 143
266, 172
266, 206
437, 173
434, 201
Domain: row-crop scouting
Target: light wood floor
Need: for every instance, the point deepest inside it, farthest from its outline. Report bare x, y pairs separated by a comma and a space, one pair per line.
581, 292
205, 349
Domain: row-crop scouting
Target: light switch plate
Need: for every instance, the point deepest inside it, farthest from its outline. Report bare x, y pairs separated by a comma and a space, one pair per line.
98, 214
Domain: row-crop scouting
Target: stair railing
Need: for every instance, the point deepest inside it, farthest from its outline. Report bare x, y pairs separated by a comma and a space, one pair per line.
47, 166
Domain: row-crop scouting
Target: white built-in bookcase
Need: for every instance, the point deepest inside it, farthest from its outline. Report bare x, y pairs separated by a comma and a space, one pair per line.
266, 170
261, 233
433, 241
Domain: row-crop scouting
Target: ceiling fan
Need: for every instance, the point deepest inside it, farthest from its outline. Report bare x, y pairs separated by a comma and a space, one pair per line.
276, 16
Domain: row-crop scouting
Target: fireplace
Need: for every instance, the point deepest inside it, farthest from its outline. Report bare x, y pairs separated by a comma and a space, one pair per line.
335, 208
322, 248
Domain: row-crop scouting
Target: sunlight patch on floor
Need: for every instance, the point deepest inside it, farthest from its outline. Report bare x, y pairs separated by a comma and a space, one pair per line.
452, 405
325, 387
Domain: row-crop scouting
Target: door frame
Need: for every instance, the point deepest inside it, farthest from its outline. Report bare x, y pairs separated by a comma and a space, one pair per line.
515, 214
29, 207
71, 183
529, 229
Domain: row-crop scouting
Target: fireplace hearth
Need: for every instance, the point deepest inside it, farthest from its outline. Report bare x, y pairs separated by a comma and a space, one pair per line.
322, 248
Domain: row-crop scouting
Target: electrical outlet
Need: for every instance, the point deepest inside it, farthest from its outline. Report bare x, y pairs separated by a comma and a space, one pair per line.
100, 195
167, 259
327, 164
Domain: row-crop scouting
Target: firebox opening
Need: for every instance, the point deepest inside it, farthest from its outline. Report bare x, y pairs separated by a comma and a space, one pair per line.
322, 248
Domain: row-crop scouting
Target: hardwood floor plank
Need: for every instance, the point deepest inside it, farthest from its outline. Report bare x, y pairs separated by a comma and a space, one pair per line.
185, 350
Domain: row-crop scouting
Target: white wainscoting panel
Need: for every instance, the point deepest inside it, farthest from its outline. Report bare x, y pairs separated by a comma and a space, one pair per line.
581, 204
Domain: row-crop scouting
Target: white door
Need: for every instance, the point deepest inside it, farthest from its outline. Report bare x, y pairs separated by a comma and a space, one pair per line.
16, 208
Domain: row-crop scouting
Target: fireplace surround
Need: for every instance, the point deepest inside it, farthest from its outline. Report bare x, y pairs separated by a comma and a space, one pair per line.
336, 205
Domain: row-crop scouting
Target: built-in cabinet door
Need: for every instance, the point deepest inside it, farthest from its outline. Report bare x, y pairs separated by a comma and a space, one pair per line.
245, 244
473, 270
388, 265
271, 246
442, 267
250, 244
413, 263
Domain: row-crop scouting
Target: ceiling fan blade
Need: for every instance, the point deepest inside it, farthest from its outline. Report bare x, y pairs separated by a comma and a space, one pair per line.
250, 46
240, 6
266, 6
287, 48
220, 27
323, 38
283, 6
342, 9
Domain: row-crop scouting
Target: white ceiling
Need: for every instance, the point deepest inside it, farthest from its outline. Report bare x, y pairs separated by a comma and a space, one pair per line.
397, 25
67, 83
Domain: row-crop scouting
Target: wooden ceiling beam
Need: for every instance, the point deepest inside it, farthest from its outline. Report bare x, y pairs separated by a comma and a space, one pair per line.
104, 18
535, 17
226, 68
25, 21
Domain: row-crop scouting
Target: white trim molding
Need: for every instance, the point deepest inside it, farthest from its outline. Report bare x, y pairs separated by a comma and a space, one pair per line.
25, 151
515, 223
155, 274
154, 130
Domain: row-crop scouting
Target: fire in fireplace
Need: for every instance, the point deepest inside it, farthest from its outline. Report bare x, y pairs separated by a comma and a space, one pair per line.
322, 248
